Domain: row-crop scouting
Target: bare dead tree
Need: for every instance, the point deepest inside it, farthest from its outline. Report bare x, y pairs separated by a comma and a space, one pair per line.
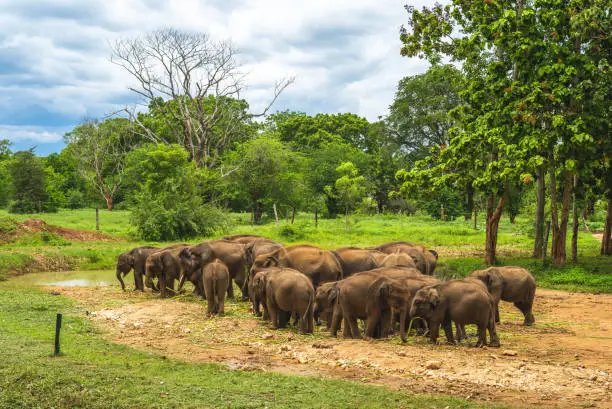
101, 149
199, 76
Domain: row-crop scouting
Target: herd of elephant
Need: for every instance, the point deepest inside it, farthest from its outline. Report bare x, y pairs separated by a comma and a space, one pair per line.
389, 287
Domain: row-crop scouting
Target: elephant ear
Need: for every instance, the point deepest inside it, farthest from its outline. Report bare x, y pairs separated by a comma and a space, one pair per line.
271, 261
248, 251
435, 253
129, 259
332, 295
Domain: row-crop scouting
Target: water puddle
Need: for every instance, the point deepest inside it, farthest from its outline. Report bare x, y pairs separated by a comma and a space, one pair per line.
97, 278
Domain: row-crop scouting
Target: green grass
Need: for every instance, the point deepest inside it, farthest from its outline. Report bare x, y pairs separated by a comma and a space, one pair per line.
93, 373
455, 238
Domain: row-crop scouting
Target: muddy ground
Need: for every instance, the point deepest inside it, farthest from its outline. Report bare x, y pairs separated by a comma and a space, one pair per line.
565, 360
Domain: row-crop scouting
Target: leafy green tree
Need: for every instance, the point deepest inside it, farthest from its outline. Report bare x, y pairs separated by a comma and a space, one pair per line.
349, 188
101, 149
28, 176
266, 171
419, 115
444, 198
168, 204
529, 68
5, 174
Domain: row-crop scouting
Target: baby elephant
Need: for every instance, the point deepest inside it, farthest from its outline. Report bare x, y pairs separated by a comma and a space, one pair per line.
285, 292
513, 284
461, 301
215, 279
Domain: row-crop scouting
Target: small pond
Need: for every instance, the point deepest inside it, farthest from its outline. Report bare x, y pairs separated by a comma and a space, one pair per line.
96, 278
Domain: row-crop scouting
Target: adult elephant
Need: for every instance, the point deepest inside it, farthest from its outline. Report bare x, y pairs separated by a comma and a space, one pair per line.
134, 259
362, 296
425, 260
319, 265
462, 301
233, 255
513, 284
286, 292
164, 265
355, 260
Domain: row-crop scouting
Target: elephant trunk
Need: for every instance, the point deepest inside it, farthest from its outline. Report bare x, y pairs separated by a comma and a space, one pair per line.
162, 285
119, 273
181, 282
403, 317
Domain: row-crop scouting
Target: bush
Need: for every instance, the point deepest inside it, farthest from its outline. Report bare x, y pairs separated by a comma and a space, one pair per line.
169, 204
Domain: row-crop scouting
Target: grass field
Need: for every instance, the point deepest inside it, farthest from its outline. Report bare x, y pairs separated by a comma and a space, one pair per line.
93, 373
459, 244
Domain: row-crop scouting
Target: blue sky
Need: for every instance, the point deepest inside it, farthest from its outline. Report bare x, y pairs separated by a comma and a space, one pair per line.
55, 69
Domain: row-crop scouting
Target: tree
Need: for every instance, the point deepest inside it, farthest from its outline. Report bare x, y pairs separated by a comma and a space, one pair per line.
5, 174
266, 172
531, 67
28, 176
419, 115
167, 204
101, 149
199, 76
349, 188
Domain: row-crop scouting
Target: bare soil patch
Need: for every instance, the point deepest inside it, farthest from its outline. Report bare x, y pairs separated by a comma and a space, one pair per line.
565, 360
31, 226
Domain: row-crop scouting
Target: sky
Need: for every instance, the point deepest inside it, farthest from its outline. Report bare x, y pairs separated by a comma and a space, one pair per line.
55, 67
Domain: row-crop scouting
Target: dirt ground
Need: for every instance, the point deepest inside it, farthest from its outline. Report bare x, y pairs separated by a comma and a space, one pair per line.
564, 361
31, 226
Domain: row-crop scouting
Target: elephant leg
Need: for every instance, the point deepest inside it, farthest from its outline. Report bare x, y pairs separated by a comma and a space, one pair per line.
138, 281
460, 332
497, 313
354, 328
335, 321
283, 318
272, 312
220, 299
482, 336
494, 343
210, 299
448, 331
230, 289
245, 290
372, 324
387, 323
434, 331
525, 307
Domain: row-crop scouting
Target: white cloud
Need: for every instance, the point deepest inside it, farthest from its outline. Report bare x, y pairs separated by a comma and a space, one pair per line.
32, 133
55, 69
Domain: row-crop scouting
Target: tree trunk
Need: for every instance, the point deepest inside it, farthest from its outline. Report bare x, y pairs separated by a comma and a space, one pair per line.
475, 218
257, 213
606, 242
109, 202
539, 216
574, 223
379, 205
559, 226
469, 205
493, 217
316, 218
346, 218
275, 214
292, 214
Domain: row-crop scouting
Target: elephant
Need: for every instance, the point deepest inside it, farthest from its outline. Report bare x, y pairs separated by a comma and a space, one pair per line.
319, 265
462, 301
510, 283
260, 246
396, 259
232, 254
243, 238
286, 291
215, 280
355, 260
425, 260
325, 300
166, 266
362, 296
134, 259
